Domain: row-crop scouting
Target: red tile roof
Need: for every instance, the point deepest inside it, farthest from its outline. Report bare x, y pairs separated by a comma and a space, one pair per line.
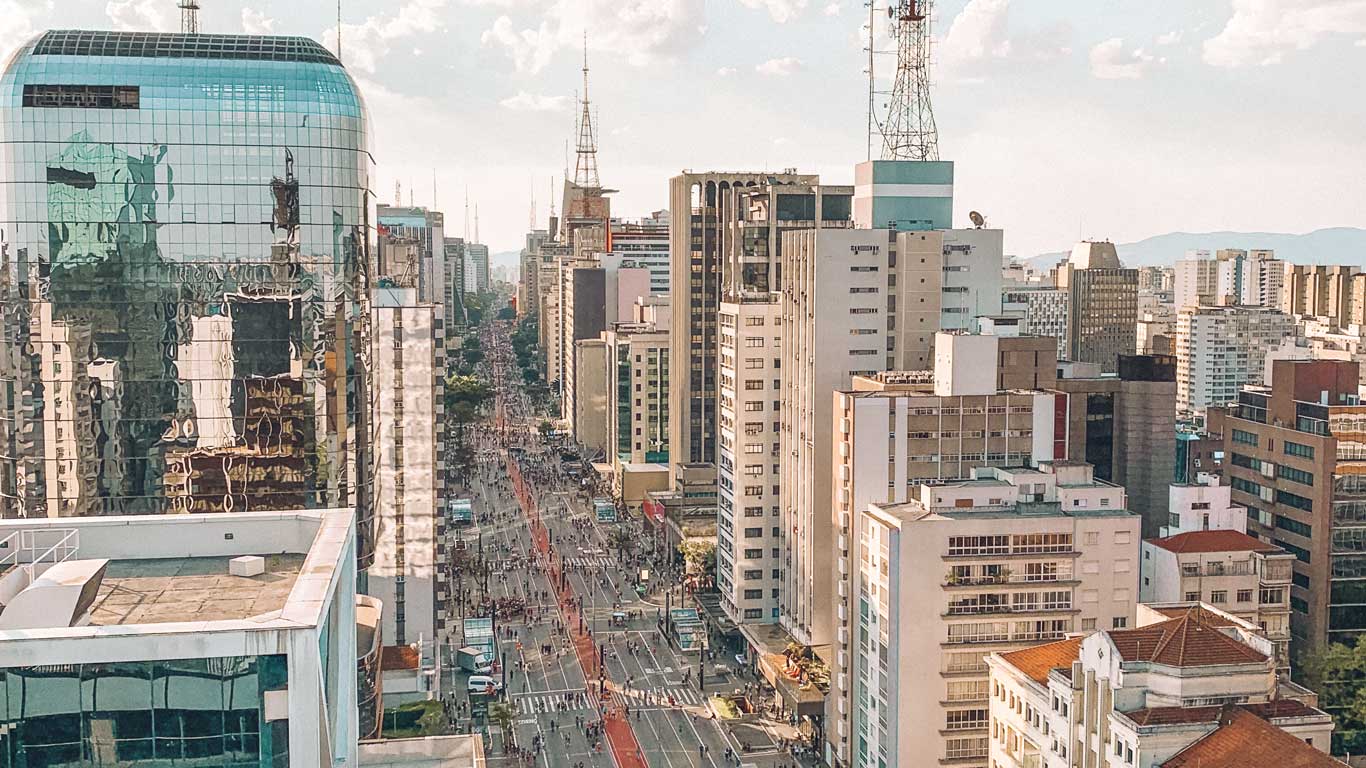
1270, 710
1182, 642
1203, 615
1241, 735
1213, 541
1038, 661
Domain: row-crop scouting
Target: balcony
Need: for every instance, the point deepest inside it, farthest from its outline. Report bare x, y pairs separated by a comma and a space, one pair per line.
988, 610
1062, 577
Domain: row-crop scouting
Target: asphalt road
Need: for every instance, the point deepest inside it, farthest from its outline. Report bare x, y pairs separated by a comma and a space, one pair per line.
668, 713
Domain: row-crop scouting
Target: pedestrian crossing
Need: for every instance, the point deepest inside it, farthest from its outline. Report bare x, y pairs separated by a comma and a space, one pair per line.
682, 696
657, 698
600, 561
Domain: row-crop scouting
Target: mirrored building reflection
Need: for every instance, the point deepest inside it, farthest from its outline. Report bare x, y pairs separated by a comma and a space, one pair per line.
184, 235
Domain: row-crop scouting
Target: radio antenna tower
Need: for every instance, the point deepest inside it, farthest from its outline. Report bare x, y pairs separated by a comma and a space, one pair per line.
586, 167
907, 129
189, 16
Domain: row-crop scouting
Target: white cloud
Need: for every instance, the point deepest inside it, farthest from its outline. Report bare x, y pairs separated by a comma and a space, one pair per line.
980, 37
781, 11
16, 24
832, 9
726, 71
648, 30
781, 67
256, 23
534, 102
1109, 61
1263, 31
141, 15
365, 43
1170, 38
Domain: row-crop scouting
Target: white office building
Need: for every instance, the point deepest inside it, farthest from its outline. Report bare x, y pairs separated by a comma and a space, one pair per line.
1005, 560
1219, 350
748, 542
205, 638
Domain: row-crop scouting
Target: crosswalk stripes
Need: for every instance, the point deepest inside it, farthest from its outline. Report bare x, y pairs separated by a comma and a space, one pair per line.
601, 561
538, 704
659, 697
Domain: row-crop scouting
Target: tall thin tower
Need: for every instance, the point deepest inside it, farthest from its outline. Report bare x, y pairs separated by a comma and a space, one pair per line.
189, 16
586, 167
907, 129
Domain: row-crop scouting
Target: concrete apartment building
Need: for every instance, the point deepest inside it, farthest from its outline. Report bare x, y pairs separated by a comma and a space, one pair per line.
696, 257
1220, 349
971, 279
477, 277
1190, 688
1124, 425
748, 543
529, 262
241, 622
1202, 505
637, 444
1322, 291
1230, 570
1102, 305
840, 319
409, 372
1295, 456
1004, 560
590, 397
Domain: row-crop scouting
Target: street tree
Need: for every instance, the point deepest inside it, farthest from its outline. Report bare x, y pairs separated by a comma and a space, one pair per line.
502, 714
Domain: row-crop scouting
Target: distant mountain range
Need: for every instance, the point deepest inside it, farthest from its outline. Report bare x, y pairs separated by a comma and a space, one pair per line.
1338, 245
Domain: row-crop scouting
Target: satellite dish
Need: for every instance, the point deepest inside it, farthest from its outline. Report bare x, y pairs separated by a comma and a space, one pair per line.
977, 219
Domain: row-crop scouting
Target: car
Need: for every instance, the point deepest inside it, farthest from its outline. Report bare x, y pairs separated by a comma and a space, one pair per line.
484, 684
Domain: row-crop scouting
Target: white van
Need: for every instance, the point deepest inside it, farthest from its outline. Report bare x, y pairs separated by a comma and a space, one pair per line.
484, 684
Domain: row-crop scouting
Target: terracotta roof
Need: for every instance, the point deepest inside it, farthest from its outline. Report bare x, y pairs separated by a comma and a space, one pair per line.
1270, 710
1213, 541
1038, 661
1203, 615
1182, 642
1241, 734
397, 657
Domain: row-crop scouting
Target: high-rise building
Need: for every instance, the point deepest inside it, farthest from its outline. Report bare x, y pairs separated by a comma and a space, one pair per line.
1197, 280
1220, 349
477, 277
638, 409
1295, 456
749, 471
1102, 305
696, 257
1321, 291
1000, 561
849, 308
408, 355
583, 317
1043, 310
642, 243
903, 195
1125, 427
197, 643
529, 261
897, 430
453, 302
590, 397
1189, 687
195, 260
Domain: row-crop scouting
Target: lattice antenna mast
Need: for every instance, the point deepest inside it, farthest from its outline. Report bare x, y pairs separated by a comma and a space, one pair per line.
586, 167
907, 129
189, 16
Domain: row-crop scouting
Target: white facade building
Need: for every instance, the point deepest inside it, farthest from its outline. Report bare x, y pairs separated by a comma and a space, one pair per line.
408, 392
1219, 350
1194, 691
1202, 506
1006, 560
1044, 309
232, 638
748, 544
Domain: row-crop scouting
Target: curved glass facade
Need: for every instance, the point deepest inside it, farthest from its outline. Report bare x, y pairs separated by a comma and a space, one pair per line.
184, 233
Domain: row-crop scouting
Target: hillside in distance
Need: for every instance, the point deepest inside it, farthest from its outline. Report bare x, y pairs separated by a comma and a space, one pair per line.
1337, 245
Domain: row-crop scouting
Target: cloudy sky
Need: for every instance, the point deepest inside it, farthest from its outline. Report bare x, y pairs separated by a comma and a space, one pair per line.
1066, 118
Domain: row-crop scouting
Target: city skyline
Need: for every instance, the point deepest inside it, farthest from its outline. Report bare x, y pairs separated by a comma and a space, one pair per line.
1065, 148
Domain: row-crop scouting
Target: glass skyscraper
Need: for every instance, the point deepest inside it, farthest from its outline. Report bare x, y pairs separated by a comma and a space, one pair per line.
184, 250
